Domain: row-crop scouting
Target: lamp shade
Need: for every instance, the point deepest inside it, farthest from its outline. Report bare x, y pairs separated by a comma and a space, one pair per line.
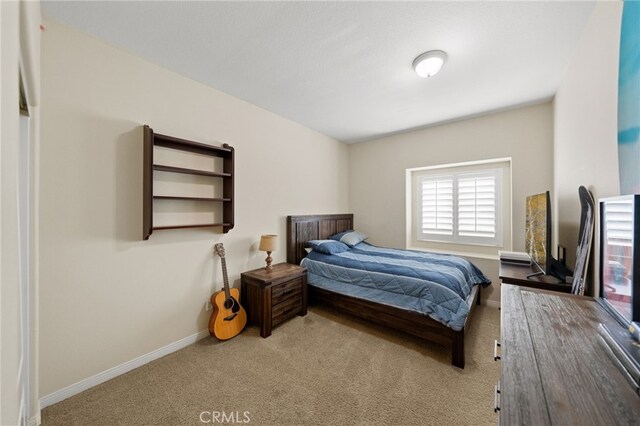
268, 243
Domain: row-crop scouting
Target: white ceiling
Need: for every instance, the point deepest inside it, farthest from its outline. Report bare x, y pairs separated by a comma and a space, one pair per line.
344, 68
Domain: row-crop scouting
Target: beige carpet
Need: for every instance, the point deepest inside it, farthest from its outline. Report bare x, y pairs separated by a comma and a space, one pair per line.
325, 368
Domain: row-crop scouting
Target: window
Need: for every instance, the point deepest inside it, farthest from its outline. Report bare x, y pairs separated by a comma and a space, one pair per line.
460, 204
460, 208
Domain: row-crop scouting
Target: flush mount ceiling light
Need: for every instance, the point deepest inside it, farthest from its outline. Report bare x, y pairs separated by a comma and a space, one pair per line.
428, 64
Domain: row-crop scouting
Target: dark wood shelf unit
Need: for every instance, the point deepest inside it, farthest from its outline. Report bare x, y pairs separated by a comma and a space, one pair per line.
226, 152
172, 169
175, 197
201, 225
196, 147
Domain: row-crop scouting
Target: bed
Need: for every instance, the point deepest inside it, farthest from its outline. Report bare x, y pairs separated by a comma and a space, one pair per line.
439, 314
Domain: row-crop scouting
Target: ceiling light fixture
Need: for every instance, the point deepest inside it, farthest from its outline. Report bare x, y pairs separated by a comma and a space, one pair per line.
428, 64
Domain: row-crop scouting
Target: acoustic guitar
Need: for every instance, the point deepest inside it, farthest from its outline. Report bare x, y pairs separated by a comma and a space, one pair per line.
228, 317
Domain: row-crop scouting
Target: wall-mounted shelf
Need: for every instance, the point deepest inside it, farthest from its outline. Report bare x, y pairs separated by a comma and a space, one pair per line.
173, 197
226, 152
161, 168
201, 225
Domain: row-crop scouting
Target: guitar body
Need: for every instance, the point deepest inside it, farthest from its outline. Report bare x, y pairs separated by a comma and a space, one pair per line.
228, 317
225, 323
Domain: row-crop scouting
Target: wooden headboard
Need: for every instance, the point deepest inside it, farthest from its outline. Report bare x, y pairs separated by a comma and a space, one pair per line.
301, 229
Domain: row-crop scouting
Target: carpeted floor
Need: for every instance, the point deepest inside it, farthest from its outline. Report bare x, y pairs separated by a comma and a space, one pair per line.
325, 369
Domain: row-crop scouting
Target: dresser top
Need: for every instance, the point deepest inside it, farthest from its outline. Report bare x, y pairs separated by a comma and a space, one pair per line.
554, 370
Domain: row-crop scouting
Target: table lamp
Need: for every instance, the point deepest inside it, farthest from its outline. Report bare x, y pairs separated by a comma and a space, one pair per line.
268, 243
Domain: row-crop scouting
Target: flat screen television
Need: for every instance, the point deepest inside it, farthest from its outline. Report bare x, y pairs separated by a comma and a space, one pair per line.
538, 231
620, 256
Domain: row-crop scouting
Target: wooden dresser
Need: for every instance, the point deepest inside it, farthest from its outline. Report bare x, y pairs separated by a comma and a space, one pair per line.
554, 371
271, 297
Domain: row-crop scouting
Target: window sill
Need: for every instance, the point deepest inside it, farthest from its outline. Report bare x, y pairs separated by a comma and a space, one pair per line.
457, 253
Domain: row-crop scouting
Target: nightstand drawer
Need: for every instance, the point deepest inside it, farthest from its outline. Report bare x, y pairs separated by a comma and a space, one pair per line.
286, 291
285, 310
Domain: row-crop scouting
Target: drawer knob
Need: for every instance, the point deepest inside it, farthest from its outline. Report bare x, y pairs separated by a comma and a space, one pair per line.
496, 345
496, 391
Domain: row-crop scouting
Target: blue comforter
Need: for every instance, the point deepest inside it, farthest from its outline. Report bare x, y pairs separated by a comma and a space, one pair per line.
437, 285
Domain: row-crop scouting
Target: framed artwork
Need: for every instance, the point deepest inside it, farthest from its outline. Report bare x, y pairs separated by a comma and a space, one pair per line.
629, 100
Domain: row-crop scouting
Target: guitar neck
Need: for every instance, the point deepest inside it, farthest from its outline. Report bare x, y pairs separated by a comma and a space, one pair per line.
227, 293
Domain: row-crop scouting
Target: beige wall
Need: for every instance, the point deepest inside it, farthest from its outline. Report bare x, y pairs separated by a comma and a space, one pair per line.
585, 133
377, 170
109, 296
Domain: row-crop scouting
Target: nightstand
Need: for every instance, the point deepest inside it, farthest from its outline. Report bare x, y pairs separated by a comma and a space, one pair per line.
271, 297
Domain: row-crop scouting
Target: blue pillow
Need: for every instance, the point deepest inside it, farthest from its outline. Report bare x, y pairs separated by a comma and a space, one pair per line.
350, 238
340, 235
328, 246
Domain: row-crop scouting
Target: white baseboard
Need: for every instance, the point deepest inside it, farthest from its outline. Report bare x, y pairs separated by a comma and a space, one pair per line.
492, 303
35, 420
118, 370
22, 412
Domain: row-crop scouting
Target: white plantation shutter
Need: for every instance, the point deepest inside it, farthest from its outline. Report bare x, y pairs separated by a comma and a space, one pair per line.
619, 222
437, 206
477, 206
461, 208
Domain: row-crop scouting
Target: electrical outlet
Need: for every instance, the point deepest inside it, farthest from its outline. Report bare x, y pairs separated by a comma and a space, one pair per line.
207, 306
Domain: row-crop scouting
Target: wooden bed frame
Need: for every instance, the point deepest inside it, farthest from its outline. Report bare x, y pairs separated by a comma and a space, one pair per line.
301, 229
